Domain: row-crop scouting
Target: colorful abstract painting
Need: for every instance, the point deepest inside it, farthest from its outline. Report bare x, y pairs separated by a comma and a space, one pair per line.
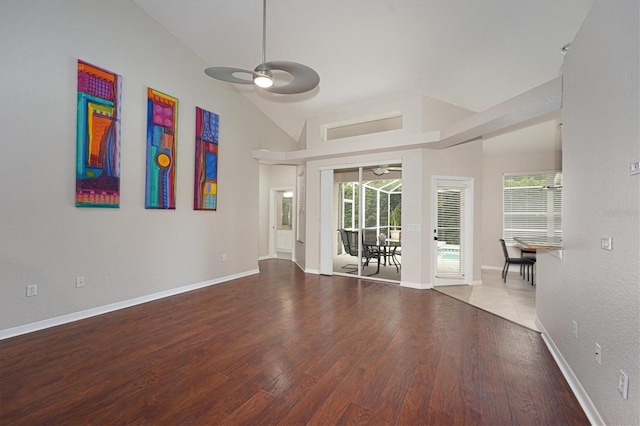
98, 137
162, 133
206, 169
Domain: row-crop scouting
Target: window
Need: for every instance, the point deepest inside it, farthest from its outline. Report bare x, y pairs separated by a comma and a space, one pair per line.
532, 205
382, 198
450, 231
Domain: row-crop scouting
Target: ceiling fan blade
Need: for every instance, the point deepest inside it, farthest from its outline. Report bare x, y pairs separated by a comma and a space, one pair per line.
304, 78
227, 74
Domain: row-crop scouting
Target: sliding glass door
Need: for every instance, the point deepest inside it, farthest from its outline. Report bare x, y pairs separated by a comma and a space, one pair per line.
368, 218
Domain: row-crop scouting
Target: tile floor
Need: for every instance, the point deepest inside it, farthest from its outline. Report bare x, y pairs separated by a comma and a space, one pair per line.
514, 300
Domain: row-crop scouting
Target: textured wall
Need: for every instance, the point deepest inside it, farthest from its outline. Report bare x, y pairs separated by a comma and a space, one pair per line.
600, 289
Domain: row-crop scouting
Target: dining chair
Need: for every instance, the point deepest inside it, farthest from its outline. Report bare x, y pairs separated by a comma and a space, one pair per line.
531, 254
525, 261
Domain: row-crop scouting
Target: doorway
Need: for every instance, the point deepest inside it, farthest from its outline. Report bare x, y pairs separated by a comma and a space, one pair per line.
367, 222
281, 219
452, 231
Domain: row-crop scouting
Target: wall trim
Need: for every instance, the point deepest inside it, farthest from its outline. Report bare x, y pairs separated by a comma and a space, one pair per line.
579, 392
312, 271
417, 286
88, 313
492, 268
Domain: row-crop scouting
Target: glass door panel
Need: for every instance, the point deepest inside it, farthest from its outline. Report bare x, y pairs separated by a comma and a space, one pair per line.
452, 231
378, 197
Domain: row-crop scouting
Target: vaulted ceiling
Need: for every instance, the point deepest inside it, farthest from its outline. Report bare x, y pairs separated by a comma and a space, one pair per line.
470, 53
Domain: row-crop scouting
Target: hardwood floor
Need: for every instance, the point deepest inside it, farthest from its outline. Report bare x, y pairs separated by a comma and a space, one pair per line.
282, 347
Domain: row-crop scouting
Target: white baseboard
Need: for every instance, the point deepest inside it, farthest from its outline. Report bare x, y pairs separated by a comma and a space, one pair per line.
312, 271
264, 257
492, 268
77, 316
417, 286
581, 395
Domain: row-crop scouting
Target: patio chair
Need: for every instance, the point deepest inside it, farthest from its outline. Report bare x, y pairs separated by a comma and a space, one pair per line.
350, 244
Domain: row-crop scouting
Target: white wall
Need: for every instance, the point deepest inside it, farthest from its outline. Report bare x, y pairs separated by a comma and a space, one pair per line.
464, 161
438, 115
599, 289
301, 220
128, 252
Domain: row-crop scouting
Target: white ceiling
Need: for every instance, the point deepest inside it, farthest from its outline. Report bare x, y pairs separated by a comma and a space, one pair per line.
471, 53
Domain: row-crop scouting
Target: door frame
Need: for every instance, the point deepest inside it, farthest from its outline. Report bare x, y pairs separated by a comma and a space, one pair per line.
328, 228
468, 184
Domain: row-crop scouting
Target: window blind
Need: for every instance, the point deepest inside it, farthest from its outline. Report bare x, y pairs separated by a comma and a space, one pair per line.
532, 205
451, 232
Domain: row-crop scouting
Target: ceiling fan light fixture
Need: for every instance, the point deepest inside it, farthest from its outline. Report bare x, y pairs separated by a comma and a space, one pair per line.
379, 171
263, 78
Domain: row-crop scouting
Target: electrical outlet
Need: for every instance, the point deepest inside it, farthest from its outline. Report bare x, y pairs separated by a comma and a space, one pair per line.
623, 385
634, 166
80, 282
575, 329
223, 258
598, 354
32, 290
605, 243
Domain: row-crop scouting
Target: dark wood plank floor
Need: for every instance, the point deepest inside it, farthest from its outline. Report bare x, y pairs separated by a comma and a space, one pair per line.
283, 347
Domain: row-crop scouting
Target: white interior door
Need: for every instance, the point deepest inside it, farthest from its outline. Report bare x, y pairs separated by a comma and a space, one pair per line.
452, 231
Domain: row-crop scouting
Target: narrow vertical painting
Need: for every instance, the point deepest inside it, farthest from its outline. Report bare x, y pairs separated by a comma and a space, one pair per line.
98, 137
162, 133
206, 167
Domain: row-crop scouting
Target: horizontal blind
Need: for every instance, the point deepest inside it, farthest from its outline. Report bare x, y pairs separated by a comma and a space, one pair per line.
532, 205
451, 232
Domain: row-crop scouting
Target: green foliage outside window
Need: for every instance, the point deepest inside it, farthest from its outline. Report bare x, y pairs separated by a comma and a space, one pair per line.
382, 206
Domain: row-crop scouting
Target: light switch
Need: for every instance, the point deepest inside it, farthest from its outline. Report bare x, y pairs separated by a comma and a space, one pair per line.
605, 243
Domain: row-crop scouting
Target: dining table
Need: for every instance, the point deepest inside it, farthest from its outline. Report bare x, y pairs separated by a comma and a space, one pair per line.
535, 243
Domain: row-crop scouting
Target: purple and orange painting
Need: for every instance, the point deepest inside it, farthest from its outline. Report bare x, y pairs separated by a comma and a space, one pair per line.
206, 167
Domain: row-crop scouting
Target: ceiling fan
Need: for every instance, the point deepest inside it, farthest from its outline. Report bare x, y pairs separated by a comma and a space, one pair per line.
384, 169
304, 78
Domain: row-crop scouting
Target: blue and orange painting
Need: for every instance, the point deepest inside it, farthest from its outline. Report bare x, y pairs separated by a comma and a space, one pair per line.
162, 132
98, 137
